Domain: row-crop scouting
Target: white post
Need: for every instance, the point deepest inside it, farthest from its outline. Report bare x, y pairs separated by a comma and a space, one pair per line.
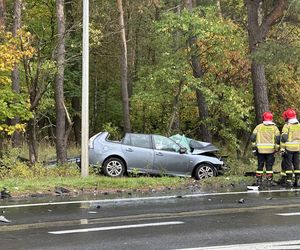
85, 92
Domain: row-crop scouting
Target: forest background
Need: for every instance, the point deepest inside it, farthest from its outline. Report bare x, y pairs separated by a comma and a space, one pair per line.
204, 68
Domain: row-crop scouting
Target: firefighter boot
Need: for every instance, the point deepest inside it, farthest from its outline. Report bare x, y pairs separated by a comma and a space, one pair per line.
297, 181
269, 180
289, 180
259, 181
282, 180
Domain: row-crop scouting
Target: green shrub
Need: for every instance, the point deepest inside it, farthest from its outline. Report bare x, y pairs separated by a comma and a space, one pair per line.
114, 132
20, 170
240, 166
39, 170
68, 169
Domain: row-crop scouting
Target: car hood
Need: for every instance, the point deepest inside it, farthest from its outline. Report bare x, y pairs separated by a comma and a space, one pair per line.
194, 146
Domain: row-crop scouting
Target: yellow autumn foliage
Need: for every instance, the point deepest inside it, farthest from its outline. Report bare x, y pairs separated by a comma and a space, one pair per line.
13, 50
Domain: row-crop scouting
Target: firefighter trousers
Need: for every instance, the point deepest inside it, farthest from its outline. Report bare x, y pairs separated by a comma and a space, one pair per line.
266, 160
292, 160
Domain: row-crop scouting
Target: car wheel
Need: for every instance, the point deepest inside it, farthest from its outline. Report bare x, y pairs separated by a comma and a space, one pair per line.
205, 171
114, 167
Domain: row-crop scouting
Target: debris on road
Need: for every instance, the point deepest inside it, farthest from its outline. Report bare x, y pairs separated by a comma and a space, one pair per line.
254, 188
3, 219
5, 193
241, 201
61, 190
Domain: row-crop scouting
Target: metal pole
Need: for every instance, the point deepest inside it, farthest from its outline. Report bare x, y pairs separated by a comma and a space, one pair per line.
85, 92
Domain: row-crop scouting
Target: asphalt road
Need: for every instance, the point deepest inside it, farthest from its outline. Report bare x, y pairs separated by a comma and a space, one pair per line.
238, 220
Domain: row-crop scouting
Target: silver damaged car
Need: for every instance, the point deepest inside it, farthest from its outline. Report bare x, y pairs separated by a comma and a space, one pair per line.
154, 154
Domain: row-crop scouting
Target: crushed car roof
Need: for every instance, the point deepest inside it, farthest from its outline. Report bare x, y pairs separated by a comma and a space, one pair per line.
194, 146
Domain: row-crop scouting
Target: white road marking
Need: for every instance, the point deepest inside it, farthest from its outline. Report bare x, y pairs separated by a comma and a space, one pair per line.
289, 214
143, 198
293, 244
95, 229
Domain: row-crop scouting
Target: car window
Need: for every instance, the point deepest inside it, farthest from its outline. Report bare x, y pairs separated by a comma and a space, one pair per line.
126, 139
138, 140
164, 143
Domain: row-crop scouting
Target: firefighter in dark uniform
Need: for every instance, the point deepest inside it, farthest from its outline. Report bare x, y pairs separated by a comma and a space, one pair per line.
265, 139
284, 162
290, 145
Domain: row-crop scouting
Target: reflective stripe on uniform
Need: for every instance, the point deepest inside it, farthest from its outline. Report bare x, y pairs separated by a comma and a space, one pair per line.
292, 144
265, 144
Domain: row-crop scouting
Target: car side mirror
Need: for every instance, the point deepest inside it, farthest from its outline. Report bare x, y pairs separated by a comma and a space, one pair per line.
182, 150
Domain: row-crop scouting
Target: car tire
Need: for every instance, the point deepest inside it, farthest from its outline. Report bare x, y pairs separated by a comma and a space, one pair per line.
114, 167
204, 171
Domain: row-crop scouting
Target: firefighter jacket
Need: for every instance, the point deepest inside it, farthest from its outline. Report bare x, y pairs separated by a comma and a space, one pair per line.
290, 137
266, 138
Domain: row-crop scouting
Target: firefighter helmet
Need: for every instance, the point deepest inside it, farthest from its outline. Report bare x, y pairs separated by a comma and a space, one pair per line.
267, 116
284, 116
290, 113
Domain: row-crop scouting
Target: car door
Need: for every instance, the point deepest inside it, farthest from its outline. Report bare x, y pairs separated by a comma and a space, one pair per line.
167, 158
138, 152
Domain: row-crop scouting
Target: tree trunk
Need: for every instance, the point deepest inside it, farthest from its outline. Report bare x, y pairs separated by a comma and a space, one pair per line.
133, 37
16, 137
2, 13
32, 141
198, 73
260, 89
203, 112
258, 29
95, 96
61, 148
219, 10
124, 70
174, 125
76, 119
74, 67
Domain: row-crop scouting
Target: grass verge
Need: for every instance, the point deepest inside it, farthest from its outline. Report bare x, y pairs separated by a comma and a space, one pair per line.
20, 187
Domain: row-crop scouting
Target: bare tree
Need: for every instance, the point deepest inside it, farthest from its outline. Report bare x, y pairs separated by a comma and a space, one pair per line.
37, 84
16, 138
259, 25
124, 69
62, 132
